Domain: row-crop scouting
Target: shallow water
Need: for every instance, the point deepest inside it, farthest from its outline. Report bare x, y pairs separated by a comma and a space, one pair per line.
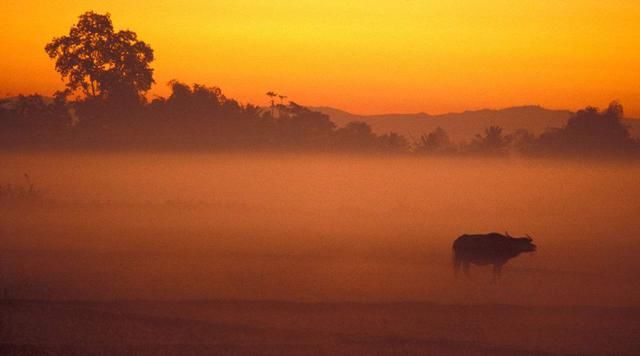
317, 228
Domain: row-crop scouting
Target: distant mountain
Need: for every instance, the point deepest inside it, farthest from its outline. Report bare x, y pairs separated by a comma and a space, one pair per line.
460, 126
464, 125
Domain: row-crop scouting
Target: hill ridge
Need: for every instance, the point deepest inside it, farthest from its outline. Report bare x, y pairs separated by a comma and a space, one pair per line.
463, 125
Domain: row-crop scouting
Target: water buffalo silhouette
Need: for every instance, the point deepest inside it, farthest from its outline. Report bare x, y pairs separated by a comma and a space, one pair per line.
488, 249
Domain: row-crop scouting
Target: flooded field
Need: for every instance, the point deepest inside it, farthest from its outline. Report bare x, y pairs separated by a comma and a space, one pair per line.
318, 229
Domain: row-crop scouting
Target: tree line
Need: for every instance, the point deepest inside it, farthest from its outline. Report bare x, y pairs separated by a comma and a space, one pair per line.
107, 74
588, 133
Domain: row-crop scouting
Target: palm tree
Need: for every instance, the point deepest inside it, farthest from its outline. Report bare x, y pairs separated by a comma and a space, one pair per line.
282, 97
272, 95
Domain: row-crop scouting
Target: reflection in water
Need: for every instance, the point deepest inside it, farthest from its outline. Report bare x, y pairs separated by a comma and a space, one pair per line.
488, 249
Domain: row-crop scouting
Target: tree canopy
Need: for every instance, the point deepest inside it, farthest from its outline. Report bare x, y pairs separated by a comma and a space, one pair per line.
101, 62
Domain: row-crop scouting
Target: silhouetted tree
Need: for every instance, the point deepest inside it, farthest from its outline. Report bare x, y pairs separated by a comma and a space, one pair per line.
356, 135
272, 95
299, 126
436, 141
34, 121
522, 141
112, 69
493, 142
100, 62
590, 132
393, 143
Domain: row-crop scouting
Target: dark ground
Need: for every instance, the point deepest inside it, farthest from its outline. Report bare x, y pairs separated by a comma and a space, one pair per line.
265, 327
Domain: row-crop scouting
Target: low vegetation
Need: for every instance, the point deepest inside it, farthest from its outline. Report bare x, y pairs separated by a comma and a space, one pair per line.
16, 194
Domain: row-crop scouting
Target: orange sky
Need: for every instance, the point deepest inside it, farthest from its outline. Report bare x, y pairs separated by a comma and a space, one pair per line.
362, 56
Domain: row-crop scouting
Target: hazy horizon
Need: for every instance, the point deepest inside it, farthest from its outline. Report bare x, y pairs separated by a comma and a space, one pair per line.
417, 56
319, 177
385, 223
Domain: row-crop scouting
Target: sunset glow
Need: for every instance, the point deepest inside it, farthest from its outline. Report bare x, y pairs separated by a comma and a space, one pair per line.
339, 177
361, 56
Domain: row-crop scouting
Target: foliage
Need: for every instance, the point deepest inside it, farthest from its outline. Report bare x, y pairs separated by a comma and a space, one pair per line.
590, 132
492, 143
101, 62
33, 121
112, 70
435, 142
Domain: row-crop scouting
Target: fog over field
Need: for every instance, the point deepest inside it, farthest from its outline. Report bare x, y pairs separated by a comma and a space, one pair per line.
319, 178
263, 253
318, 228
